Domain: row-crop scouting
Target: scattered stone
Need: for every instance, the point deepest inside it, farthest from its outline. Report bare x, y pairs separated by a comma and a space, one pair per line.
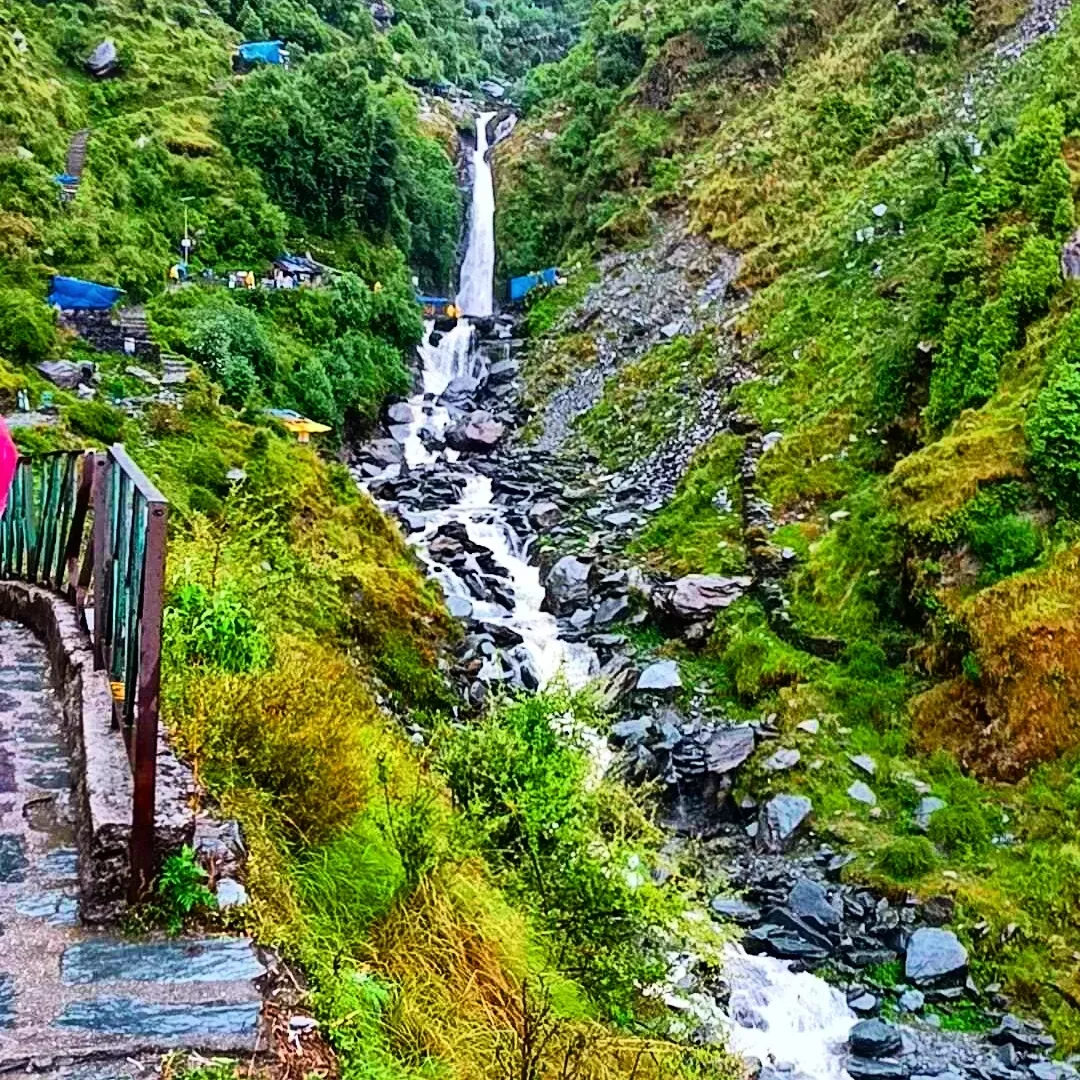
698, 596
864, 762
935, 957
864, 1004
912, 1001
738, 911
780, 819
811, 727
544, 515
870, 1069
65, 374
662, 676
782, 760
928, 806
230, 893
728, 748
567, 586
874, 1039
809, 901
861, 792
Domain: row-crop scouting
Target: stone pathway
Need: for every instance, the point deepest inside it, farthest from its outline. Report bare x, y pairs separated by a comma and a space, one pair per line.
75, 1002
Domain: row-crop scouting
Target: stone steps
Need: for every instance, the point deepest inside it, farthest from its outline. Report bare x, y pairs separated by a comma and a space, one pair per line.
69, 994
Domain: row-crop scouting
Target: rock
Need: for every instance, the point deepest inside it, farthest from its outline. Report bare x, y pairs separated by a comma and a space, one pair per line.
864, 1004
935, 957
770, 440
811, 727
782, 760
567, 586
738, 911
779, 820
870, 1069
142, 375
874, 1039
928, 806
728, 748
65, 374
912, 1001
630, 732
701, 595
103, 60
459, 606
864, 762
502, 372
839, 515
662, 676
383, 452
611, 610
400, 413
938, 910
544, 515
809, 901
230, 893
861, 792
480, 433
620, 519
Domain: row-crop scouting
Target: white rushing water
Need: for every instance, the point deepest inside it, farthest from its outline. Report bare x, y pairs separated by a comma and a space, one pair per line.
780, 1017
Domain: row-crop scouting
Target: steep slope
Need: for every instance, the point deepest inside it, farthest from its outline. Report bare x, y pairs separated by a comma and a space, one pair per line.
880, 411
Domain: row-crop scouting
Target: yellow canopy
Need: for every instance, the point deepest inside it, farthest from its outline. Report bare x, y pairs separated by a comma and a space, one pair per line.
304, 428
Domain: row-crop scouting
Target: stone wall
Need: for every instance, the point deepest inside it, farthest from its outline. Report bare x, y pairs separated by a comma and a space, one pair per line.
102, 780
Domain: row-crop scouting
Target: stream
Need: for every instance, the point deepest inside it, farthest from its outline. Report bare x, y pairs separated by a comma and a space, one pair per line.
472, 504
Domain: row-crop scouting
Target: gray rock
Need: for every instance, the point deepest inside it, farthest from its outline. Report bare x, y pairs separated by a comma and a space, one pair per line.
630, 732
544, 515
698, 596
620, 519
860, 1068
782, 760
874, 1039
864, 1004
400, 413
928, 806
864, 762
104, 59
142, 375
809, 901
65, 374
459, 606
166, 1022
567, 586
661, 676
728, 748
860, 792
481, 432
935, 957
811, 727
611, 610
912, 1001
779, 821
383, 452
230, 893
738, 911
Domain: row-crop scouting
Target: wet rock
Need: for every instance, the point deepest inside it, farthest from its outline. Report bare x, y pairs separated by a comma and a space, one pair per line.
728, 748
738, 911
663, 676
779, 821
864, 762
544, 515
611, 610
871, 1069
782, 760
697, 596
630, 732
567, 586
928, 806
912, 1001
861, 793
502, 372
180, 961
459, 606
399, 413
65, 374
935, 958
809, 902
874, 1039
863, 1003
785, 944
479, 434
383, 452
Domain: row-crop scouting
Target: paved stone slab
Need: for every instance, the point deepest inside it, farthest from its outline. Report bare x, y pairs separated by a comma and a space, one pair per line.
7, 1001
61, 863
56, 907
210, 960
55, 779
8, 703
12, 858
129, 1016
7, 771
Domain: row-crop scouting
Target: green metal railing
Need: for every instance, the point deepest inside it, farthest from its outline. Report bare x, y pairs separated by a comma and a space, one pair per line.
91, 527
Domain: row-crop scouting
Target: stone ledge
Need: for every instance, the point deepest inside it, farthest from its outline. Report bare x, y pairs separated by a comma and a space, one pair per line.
103, 786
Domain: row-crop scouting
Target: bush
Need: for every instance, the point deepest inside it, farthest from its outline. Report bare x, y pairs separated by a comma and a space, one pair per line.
962, 830
232, 346
1005, 546
216, 630
1053, 423
908, 858
96, 420
27, 327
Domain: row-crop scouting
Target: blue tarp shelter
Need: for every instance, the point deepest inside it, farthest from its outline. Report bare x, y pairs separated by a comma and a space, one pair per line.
74, 294
520, 287
64, 179
261, 52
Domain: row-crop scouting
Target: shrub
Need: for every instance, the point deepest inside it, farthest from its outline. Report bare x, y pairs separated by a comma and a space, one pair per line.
216, 629
207, 467
1053, 423
96, 420
27, 327
181, 889
907, 858
232, 346
1005, 546
960, 830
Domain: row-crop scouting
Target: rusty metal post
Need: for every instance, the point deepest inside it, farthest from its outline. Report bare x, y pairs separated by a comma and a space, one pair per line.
146, 718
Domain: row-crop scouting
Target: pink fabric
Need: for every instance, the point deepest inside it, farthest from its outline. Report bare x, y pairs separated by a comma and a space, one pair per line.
9, 455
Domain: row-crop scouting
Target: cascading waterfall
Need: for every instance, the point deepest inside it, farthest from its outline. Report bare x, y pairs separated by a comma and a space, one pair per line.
774, 1014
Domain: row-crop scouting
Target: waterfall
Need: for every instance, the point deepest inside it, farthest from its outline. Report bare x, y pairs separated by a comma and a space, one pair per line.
475, 294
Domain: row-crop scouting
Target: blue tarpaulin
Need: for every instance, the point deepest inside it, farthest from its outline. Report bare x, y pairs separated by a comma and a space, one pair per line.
64, 179
520, 287
74, 294
261, 52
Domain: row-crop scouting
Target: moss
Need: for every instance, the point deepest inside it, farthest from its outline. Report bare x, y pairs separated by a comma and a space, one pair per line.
907, 859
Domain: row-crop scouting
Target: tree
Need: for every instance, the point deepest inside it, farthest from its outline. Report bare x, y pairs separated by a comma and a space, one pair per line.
27, 327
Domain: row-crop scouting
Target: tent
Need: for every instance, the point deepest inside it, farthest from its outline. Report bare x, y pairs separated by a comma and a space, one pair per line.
74, 294
262, 52
520, 287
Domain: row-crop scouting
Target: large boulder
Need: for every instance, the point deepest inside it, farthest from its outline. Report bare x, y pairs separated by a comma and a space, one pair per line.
935, 958
65, 374
874, 1039
567, 586
700, 596
662, 677
779, 820
809, 902
479, 433
728, 748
